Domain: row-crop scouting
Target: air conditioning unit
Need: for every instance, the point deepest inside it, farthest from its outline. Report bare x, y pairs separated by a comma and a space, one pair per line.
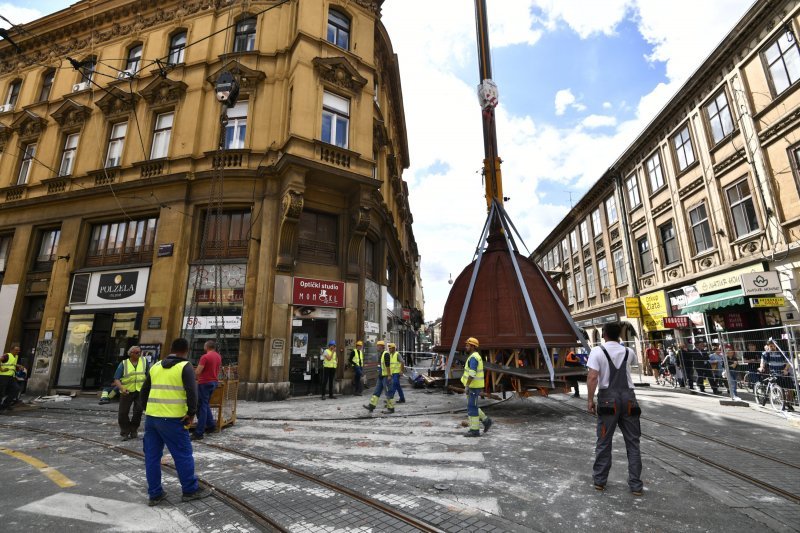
6, 108
125, 75
82, 86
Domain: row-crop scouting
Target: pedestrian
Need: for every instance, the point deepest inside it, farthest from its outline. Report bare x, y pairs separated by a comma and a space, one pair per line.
328, 369
473, 381
397, 367
687, 365
609, 369
573, 361
129, 379
733, 374
702, 364
170, 398
357, 360
752, 358
717, 361
384, 384
654, 359
9, 365
207, 376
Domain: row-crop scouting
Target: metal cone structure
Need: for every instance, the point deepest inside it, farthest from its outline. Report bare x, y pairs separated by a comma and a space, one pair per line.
503, 298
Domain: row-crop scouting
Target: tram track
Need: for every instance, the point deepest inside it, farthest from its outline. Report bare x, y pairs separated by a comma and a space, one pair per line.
249, 511
792, 497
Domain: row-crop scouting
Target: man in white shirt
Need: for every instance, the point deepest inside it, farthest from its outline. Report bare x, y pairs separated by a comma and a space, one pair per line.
609, 367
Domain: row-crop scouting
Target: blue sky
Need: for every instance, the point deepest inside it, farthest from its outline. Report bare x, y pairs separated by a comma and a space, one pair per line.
578, 80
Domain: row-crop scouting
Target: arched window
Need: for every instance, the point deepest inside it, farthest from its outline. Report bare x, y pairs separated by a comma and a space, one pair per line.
134, 60
177, 45
47, 84
338, 29
245, 37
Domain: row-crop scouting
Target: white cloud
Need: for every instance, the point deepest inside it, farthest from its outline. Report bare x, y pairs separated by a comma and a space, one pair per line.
17, 14
599, 121
606, 105
585, 17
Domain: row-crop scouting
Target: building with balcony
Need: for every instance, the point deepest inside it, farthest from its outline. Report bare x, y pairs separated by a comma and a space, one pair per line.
135, 208
707, 193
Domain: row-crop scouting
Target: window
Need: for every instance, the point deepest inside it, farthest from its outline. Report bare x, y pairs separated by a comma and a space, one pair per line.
565, 249
602, 270
245, 38
611, 210
701, 229
87, 70
632, 186
134, 60
47, 85
47, 250
682, 143
335, 119
782, 60
68, 157
590, 285
620, 270
28, 156
177, 45
573, 239
719, 117
570, 291
556, 258
228, 235
13, 93
116, 141
237, 125
161, 135
669, 243
584, 232
654, 172
317, 238
742, 209
5, 247
645, 255
579, 285
597, 228
338, 29
115, 243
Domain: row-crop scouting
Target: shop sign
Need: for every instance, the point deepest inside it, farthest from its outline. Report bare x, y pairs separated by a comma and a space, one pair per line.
605, 319
584, 323
318, 293
371, 327
680, 298
728, 280
755, 283
654, 310
676, 322
212, 322
406, 314
632, 307
117, 286
778, 301
314, 312
154, 322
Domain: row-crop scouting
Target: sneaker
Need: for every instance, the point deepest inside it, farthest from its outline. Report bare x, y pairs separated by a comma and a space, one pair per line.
737, 399
472, 433
152, 502
788, 407
196, 436
196, 495
487, 424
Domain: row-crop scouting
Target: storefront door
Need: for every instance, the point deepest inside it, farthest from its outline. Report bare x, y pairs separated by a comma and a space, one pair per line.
309, 338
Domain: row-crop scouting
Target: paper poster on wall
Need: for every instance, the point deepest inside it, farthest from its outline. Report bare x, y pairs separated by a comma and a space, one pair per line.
300, 344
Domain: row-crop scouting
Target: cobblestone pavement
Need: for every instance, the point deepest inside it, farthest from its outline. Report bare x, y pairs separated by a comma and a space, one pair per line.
531, 472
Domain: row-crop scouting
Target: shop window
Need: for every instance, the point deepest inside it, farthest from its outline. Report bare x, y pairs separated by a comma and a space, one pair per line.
237, 126
335, 119
48, 248
47, 85
162, 131
338, 29
118, 243
245, 37
701, 229
743, 210
228, 235
782, 60
317, 238
645, 255
28, 157
632, 187
718, 114
68, 155
669, 243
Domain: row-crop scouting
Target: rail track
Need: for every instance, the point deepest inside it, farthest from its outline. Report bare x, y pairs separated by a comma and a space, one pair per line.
249, 511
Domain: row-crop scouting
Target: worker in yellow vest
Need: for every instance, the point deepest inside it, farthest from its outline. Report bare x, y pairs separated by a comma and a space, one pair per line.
328, 369
169, 394
357, 360
384, 384
473, 382
397, 367
9, 364
129, 380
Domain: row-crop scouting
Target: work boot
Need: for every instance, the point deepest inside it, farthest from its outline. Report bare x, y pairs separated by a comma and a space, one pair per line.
104, 401
133, 434
388, 411
196, 495
195, 436
487, 423
472, 433
152, 502
401, 401
369, 407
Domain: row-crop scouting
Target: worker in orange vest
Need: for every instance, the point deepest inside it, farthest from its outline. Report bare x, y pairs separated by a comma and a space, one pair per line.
573, 360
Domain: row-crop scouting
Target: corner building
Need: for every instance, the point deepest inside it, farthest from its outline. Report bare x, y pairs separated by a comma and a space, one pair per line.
707, 193
111, 162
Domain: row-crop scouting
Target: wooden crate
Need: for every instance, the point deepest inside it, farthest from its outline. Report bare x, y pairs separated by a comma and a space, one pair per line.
223, 403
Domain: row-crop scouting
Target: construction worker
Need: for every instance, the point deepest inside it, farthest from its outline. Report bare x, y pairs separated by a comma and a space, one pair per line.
170, 398
328, 369
572, 360
472, 379
129, 379
397, 367
8, 383
384, 382
357, 360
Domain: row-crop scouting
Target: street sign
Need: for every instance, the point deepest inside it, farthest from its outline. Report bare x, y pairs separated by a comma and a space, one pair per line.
778, 301
756, 283
632, 309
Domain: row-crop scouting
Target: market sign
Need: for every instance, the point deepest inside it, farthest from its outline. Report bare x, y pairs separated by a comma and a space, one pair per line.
318, 293
654, 310
728, 280
677, 322
778, 301
632, 308
212, 322
756, 283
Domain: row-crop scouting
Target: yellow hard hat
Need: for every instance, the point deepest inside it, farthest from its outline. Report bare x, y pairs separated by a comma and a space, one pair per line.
359, 343
392, 345
473, 341
380, 343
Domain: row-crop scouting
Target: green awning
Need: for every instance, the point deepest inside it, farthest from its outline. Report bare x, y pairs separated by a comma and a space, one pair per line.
715, 301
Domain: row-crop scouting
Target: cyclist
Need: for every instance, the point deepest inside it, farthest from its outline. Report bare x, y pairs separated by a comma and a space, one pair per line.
772, 361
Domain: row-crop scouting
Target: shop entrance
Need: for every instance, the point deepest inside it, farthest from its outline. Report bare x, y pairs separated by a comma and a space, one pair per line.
310, 337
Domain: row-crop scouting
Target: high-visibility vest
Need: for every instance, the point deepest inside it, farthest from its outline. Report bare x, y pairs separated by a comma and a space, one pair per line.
385, 363
9, 368
167, 396
358, 358
133, 376
477, 377
329, 363
395, 364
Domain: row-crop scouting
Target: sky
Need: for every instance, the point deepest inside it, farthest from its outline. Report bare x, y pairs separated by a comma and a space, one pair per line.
578, 81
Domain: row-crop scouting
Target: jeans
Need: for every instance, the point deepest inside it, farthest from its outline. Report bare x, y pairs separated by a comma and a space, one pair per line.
8, 388
170, 431
205, 418
396, 387
328, 373
127, 423
357, 373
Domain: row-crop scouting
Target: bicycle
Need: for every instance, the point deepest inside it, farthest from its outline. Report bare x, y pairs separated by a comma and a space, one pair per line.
768, 389
667, 378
